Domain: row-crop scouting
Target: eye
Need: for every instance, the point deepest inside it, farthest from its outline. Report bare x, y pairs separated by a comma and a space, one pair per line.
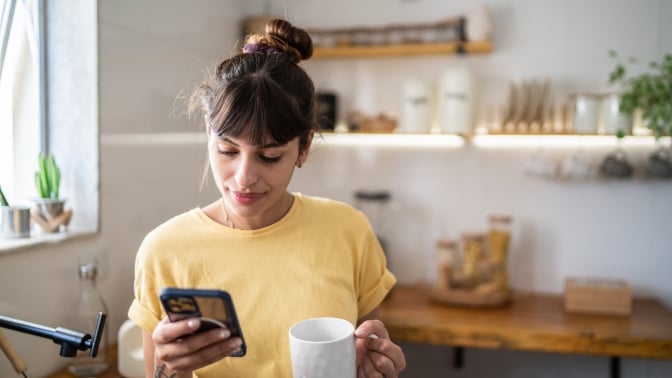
224, 151
270, 159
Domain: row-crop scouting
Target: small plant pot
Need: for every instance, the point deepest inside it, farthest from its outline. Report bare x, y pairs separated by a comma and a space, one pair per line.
49, 208
50, 211
14, 222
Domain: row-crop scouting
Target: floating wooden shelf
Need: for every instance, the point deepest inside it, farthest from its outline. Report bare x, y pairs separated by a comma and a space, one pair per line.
380, 51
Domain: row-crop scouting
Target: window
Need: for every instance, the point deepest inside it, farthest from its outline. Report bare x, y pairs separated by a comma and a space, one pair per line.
19, 98
33, 77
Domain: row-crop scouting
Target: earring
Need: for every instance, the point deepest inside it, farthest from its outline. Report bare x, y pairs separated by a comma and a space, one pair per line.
299, 164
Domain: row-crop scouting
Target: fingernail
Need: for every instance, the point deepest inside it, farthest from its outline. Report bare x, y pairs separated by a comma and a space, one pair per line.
223, 334
193, 324
373, 336
236, 343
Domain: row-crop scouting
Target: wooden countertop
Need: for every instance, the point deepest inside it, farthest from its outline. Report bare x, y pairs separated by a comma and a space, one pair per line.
111, 372
530, 322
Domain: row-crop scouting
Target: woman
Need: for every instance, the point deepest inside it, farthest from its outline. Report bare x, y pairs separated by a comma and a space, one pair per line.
282, 256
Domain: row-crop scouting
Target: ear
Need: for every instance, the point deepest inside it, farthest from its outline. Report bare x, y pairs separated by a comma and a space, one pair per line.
303, 154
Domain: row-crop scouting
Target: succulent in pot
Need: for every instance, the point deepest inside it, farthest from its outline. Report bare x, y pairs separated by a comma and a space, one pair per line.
48, 182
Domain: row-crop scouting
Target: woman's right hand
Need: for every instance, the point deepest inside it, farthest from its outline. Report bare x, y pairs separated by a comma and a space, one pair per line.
178, 352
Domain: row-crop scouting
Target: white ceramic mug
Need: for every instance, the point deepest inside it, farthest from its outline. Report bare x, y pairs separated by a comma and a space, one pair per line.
323, 347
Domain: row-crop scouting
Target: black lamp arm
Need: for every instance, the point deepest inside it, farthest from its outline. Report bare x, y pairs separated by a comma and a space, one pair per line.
70, 341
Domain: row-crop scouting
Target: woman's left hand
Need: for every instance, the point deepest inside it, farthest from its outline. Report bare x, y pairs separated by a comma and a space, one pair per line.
377, 355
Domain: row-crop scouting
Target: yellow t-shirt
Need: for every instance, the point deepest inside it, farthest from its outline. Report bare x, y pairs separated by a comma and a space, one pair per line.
321, 259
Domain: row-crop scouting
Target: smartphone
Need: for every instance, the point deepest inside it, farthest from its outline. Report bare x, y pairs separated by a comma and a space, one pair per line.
213, 307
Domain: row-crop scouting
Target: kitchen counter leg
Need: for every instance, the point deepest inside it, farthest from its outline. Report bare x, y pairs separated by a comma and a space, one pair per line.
615, 367
458, 357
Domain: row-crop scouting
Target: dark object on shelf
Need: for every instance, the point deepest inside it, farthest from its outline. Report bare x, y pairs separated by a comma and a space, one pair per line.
327, 108
659, 164
616, 165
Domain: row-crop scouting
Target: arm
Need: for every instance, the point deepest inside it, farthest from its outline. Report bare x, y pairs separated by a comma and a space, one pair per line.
148, 353
376, 353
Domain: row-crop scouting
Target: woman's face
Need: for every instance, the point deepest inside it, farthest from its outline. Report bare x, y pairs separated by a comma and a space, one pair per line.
253, 180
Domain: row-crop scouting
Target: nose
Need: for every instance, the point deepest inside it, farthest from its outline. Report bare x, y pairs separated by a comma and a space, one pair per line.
246, 173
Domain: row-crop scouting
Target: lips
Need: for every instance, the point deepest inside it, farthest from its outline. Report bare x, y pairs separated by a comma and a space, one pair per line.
246, 198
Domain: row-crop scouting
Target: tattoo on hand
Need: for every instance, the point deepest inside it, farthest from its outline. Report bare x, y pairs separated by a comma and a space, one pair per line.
160, 372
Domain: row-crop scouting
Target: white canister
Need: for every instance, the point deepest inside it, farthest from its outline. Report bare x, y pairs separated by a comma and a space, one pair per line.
131, 360
416, 114
457, 101
585, 113
612, 120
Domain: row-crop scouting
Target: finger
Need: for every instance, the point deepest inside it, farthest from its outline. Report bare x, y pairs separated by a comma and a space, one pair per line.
167, 331
368, 368
211, 354
382, 364
206, 355
372, 327
189, 345
383, 350
361, 351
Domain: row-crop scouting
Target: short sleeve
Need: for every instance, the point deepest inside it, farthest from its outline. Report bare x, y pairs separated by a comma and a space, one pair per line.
375, 280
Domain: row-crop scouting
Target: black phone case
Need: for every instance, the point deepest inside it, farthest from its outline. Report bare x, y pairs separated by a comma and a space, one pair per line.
214, 307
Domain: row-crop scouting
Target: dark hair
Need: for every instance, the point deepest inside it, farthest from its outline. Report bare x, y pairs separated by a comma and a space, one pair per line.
263, 92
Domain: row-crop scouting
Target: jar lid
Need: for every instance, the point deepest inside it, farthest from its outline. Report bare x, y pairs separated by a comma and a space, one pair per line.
500, 218
445, 243
88, 271
473, 236
372, 195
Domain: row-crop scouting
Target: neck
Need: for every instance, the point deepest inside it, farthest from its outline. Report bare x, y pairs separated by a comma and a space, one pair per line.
263, 220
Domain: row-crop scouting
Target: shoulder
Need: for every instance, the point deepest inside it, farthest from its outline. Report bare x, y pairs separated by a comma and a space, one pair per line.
333, 210
171, 230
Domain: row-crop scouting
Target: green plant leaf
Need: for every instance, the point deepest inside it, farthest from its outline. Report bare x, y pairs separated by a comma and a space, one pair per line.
649, 91
3, 199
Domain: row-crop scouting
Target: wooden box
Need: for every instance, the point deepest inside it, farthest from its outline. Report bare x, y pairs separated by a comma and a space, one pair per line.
597, 296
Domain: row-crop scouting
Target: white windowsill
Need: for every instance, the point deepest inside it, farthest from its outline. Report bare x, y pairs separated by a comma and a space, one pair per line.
37, 238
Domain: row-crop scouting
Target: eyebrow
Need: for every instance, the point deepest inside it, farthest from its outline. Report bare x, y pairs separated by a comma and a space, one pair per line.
269, 145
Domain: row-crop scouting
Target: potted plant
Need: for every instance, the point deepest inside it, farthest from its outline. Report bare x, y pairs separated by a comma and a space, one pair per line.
651, 93
48, 182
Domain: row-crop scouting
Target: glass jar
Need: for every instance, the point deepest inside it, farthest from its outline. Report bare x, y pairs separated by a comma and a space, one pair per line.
446, 261
84, 318
375, 204
499, 235
473, 252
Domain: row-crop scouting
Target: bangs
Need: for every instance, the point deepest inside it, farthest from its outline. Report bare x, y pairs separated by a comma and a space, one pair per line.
255, 107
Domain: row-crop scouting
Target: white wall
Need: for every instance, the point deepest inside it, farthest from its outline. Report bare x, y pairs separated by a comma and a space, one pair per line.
152, 50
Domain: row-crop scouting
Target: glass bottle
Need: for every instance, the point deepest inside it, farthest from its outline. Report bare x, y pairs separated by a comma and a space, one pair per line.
83, 319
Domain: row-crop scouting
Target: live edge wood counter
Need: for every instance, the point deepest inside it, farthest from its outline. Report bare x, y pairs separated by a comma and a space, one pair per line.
531, 322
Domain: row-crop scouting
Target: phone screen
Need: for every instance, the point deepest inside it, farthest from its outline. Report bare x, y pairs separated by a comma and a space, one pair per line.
213, 307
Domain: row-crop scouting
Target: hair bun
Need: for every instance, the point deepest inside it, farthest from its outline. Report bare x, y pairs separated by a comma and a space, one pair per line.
288, 38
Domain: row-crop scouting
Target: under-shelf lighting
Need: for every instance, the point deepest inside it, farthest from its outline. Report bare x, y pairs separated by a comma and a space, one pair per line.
517, 141
391, 140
